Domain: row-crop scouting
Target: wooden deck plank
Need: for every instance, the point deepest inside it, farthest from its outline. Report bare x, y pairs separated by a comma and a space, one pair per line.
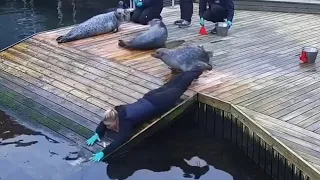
44, 72
251, 74
114, 68
114, 81
25, 111
75, 73
256, 66
52, 89
53, 100
303, 142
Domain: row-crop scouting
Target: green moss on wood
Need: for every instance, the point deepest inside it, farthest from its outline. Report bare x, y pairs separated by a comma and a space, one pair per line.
34, 111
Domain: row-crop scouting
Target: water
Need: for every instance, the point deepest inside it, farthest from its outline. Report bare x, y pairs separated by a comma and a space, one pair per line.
183, 152
177, 152
26, 153
22, 18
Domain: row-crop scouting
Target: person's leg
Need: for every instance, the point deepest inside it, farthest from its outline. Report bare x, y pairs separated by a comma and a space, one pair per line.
150, 13
136, 15
166, 86
178, 22
186, 13
168, 96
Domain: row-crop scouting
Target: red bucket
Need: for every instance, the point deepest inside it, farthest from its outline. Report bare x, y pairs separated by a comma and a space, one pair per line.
303, 57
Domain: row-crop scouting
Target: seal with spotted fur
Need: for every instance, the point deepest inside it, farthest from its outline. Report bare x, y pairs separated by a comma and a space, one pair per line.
183, 58
99, 24
155, 37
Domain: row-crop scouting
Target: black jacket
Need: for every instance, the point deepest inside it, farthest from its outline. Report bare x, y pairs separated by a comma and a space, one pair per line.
227, 4
147, 3
130, 117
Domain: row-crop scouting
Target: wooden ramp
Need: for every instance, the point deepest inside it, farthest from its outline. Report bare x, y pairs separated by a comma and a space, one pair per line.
256, 67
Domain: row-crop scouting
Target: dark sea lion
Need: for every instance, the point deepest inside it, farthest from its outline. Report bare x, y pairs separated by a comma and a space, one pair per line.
155, 37
182, 58
99, 24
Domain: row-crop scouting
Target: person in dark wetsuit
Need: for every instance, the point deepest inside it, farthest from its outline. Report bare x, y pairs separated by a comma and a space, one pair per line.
218, 11
124, 118
146, 10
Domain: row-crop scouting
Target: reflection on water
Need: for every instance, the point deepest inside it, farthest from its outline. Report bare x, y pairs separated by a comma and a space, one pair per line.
178, 152
22, 18
26, 154
183, 152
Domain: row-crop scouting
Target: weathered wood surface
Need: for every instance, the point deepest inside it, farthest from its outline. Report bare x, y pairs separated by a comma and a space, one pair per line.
256, 66
67, 89
304, 143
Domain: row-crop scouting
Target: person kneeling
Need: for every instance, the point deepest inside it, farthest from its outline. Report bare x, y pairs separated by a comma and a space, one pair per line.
124, 119
146, 10
218, 11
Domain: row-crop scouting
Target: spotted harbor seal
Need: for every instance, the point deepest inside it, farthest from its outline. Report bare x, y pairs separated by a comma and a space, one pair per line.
155, 37
183, 58
99, 24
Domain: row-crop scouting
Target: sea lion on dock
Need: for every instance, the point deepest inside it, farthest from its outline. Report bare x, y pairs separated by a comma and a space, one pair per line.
182, 58
99, 24
155, 37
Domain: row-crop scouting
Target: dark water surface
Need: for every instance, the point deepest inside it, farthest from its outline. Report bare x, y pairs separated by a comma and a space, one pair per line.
177, 152
22, 18
27, 154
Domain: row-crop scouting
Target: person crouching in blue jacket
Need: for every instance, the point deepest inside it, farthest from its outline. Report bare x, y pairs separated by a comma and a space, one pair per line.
146, 10
218, 11
124, 119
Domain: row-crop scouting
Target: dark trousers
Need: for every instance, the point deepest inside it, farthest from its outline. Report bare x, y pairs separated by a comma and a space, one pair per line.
186, 9
144, 15
166, 96
216, 13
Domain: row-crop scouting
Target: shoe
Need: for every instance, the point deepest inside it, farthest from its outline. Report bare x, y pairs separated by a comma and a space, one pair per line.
213, 31
185, 24
178, 22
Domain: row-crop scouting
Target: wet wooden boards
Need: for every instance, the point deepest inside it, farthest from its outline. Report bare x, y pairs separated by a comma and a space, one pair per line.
256, 67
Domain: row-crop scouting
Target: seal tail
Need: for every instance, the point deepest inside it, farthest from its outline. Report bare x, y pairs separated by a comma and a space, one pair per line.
122, 43
62, 39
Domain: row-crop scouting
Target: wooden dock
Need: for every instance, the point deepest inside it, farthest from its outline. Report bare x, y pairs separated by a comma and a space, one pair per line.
256, 67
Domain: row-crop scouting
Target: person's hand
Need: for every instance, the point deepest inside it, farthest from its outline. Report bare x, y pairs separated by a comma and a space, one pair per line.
97, 157
139, 3
201, 21
229, 23
93, 139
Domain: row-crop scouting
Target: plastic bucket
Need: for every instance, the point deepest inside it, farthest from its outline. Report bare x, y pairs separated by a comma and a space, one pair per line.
309, 54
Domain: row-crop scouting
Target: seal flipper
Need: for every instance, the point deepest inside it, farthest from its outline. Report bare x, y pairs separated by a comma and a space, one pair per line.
63, 39
59, 39
115, 30
122, 43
